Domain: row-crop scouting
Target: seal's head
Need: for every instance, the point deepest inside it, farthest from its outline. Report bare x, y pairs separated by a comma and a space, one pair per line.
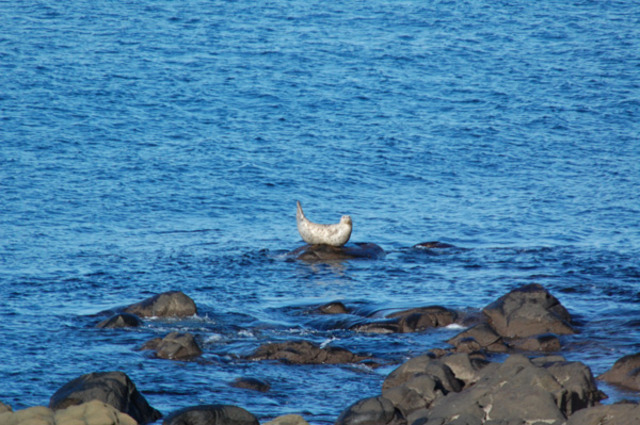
345, 219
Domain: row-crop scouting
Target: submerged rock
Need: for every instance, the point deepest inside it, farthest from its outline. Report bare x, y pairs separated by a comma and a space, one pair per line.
624, 372
113, 388
167, 304
213, 414
320, 253
174, 346
253, 384
90, 413
122, 320
304, 352
335, 307
527, 311
433, 245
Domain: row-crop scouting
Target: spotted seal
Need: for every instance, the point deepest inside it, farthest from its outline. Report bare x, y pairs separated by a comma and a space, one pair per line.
323, 234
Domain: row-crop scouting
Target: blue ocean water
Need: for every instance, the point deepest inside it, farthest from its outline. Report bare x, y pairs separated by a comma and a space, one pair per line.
154, 146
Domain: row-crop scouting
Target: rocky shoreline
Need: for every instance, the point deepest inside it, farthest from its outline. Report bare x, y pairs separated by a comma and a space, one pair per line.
502, 369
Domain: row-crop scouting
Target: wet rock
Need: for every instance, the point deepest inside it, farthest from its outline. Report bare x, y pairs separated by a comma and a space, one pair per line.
167, 304
214, 414
614, 414
320, 253
304, 352
527, 311
253, 384
287, 420
335, 307
90, 413
420, 319
113, 388
174, 346
379, 327
412, 320
371, 411
433, 245
122, 320
520, 390
625, 372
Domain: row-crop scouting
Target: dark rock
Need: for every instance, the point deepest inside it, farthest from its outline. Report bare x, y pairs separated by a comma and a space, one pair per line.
320, 253
304, 352
335, 307
215, 414
521, 390
625, 372
527, 311
419, 319
371, 411
167, 304
540, 343
477, 338
174, 346
113, 388
253, 384
423, 365
415, 394
614, 414
122, 320
433, 245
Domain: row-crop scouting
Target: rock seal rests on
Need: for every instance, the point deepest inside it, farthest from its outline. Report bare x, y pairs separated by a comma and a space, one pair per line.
323, 234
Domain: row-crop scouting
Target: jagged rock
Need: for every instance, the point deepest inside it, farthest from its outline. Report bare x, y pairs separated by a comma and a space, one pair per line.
90, 413
625, 372
519, 389
527, 311
167, 304
121, 320
371, 411
214, 414
253, 384
174, 346
320, 253
304, 352
113, 388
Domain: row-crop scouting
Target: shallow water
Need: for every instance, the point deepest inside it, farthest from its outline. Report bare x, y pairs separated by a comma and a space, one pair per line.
147, 148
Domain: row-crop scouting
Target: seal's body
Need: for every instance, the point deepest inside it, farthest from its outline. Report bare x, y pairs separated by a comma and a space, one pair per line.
323, 234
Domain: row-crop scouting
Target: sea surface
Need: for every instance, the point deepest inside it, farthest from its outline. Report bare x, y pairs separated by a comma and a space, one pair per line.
156, 146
